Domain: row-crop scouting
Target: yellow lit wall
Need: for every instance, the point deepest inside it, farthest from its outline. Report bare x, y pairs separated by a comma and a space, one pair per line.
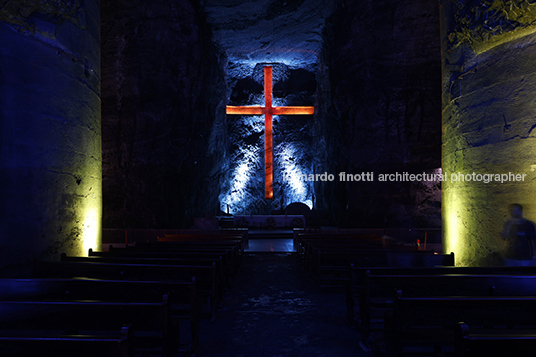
489, 83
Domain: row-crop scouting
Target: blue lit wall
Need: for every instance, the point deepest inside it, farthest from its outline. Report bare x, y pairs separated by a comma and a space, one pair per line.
50, 130
242, 188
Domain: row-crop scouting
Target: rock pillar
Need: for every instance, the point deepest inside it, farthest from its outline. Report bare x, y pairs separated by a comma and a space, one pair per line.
50, 130
489, 80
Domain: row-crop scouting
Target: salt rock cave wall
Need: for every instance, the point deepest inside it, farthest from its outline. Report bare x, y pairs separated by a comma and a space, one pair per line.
163, 105
379, 94
488, 123
243, 184
50, 130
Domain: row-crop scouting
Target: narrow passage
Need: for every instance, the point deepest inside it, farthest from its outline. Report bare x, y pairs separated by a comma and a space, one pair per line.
275, 310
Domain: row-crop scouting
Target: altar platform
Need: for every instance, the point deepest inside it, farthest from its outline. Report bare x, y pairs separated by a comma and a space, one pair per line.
281, 245
270, 240
269, 221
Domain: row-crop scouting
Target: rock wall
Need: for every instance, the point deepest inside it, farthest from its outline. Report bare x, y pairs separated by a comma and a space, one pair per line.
379, 97
164, 124
50, 130
488, 121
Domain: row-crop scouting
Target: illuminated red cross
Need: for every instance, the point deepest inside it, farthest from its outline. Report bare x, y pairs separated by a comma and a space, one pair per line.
268, 111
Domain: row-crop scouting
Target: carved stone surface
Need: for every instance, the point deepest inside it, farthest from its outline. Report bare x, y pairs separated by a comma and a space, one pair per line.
38, 15
279, 31
477, 22
378, 106
164, 124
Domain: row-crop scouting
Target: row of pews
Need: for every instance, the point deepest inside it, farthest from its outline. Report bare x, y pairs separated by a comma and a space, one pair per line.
405, 301
327, 257
141, 300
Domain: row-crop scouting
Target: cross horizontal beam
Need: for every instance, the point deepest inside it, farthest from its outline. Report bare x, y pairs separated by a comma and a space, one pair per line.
257, 110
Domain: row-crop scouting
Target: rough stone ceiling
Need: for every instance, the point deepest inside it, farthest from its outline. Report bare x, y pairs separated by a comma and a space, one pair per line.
274, 31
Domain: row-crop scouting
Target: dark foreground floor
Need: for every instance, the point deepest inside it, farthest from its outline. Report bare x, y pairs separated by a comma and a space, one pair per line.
275, 310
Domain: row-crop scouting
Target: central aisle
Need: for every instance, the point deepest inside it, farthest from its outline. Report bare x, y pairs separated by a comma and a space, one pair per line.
275, 310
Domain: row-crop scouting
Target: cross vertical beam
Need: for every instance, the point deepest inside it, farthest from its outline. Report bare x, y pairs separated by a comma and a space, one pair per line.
268, 112
268, 147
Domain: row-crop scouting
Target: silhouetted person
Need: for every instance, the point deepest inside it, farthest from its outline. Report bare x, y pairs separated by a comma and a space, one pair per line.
520, 235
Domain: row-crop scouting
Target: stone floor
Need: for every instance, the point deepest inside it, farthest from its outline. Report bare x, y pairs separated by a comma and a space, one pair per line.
275, 310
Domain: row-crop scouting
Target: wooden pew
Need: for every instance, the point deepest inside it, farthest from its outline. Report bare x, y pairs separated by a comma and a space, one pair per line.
244, 232
311, 244
68, 345
184, 304
227, 260
306, 242
232, 249
152, 330
330, 268
376, 296
387, 270
327, 235
230, 262
310, 250
207, 281
215, 238
430, 322
359, 274
108, 258
302, 240
223, 271
305, 230
126, 236
493, 342
200, 241
187, 254
240, 231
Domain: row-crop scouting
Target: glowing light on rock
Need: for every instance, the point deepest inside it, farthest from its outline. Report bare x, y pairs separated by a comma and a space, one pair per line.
452, 223
268, 111
238, 197
241, 177
89, 212
298, 189
91, 230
